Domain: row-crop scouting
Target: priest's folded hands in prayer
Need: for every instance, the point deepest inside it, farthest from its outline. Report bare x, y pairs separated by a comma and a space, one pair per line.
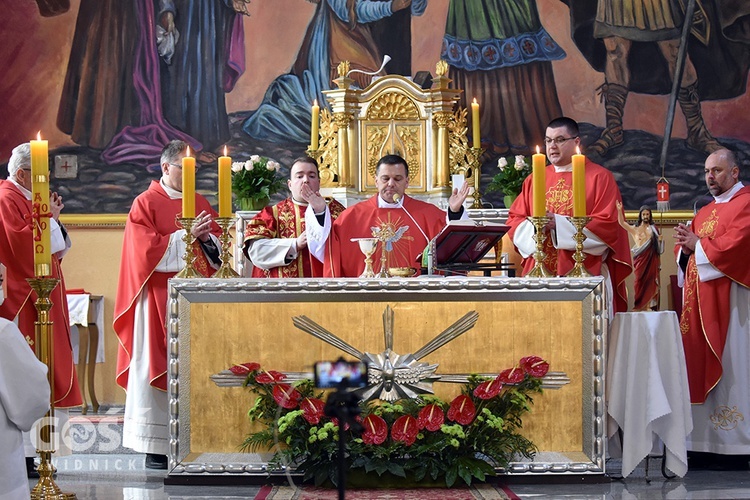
202, 226
686, 238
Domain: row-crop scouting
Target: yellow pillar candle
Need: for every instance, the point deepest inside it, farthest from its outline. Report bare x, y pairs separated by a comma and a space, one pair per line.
188, 186
40, 206
225, 185
579, 184
476, 135
315, 126
539, 184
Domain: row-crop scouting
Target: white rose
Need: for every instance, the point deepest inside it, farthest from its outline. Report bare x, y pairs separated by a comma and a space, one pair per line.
254, 159
272, 165
249, 164
237, 166
502, 163
520, 162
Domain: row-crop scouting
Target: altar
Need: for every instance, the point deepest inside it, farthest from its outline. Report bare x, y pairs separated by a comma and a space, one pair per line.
214, 324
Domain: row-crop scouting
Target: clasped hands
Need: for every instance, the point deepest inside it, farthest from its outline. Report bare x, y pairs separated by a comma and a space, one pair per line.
202, 226
686, 238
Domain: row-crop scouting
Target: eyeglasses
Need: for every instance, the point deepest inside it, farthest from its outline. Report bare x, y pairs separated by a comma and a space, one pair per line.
558, 140
197, 165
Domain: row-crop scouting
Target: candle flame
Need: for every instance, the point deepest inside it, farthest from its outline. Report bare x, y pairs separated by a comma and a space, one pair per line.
537, 150
187, 152
225, 150
315, 102
578, 150
39, 136
475, 101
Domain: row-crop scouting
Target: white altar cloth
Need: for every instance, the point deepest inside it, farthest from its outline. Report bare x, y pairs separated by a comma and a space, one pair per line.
647, 389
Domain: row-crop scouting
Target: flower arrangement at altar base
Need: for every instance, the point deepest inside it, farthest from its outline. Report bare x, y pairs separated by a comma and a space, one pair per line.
421, 439
254, 182
510, 180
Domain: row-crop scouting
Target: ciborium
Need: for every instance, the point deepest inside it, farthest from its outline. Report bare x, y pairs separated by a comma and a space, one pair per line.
367, 246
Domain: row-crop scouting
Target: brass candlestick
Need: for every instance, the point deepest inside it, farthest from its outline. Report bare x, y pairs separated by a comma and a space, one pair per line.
473, 154
44, 343
539, 270
226, 271
189, 270
579, 271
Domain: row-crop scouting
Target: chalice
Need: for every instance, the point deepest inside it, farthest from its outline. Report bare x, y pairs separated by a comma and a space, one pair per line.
367, 246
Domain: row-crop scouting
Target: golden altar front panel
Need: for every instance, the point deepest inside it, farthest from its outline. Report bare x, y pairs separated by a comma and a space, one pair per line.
216, 330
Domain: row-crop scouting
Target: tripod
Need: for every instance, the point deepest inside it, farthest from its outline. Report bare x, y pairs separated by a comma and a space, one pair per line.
343, 405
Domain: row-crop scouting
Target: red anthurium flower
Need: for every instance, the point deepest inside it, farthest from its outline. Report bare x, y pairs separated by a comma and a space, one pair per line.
488, 389
376, 430
462, 410
405, 429
511, 376
269, 377
286, 396
431, 417
534, 366
312, 410
244, 368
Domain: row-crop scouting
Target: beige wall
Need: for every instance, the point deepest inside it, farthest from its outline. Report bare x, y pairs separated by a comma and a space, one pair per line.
93, 264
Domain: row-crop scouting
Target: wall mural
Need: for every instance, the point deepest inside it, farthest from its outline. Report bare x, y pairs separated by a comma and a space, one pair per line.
109, 82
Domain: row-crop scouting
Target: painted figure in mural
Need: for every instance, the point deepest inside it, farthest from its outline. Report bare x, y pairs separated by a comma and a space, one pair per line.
288, 239
606, 246
404, 224
112, 96
648, 245
715, 321
200, 65
339, 31
499, 52
635, 44
392, 35
152, 253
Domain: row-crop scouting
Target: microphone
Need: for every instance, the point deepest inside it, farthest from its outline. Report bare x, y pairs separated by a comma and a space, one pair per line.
397, 198
386, 59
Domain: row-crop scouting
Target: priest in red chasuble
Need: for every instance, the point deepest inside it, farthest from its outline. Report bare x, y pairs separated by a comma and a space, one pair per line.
715, 321
17, 253
288, 239
403, 224
152, 252
606, 245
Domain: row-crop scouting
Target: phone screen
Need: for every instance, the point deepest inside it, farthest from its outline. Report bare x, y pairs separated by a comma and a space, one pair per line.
330, 374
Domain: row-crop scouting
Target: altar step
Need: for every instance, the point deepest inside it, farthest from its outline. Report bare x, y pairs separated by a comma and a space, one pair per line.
97, 433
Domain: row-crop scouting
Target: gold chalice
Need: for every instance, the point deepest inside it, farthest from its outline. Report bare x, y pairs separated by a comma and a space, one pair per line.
367, 246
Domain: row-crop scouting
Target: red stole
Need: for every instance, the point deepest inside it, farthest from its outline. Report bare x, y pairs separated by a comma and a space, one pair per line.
405, 241
151, 221
17, 253
286, 219
601, 194
725, 238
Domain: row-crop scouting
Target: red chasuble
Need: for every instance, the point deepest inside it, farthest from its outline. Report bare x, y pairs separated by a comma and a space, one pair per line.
725, 238
151, 221
286, 219
601, 194
404, 241
17, 253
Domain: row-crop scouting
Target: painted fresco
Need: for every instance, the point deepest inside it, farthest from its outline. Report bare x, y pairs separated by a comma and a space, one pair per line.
108, 82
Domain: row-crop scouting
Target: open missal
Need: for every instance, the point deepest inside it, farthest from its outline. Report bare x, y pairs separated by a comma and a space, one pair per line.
463, 243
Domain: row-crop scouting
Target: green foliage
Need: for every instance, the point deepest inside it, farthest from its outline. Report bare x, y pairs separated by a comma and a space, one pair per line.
257, 178
454, 452
510, 178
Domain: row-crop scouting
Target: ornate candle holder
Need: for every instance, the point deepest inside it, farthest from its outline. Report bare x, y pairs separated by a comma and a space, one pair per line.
367, 246
226, 271
46, 487
189, 270
579, 271
539, 270
472, 155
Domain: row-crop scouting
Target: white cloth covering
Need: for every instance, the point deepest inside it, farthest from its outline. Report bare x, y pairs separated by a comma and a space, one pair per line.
24, 398
647, 389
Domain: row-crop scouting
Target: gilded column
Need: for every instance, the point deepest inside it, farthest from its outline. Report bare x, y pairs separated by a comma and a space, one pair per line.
443, 119
342, 125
